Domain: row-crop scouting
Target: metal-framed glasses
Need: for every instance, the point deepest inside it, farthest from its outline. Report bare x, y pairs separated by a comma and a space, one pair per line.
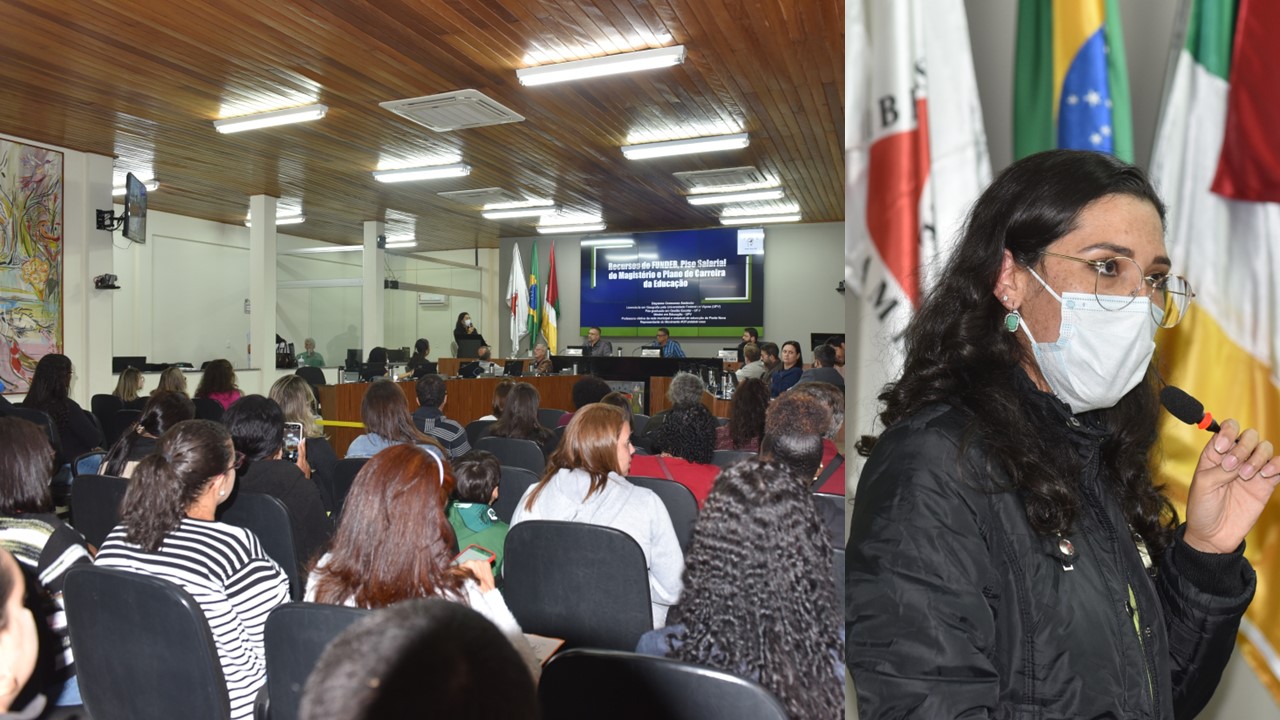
1120, 280
237, 460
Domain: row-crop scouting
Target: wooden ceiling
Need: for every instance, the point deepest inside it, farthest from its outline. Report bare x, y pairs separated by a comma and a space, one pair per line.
142, 80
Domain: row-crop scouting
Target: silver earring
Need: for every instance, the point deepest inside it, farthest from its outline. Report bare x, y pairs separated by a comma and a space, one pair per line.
1004, 298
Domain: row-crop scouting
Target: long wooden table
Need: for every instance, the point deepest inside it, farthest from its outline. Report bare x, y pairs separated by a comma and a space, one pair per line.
467, 400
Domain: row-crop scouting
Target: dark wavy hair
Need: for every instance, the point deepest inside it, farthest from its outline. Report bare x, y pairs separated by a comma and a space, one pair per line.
759, 599
746, 418
168, 481
589, 389
256, 424
218, 377
689, 433
25, 468
520, 416
957, 352
394, 541
164, 410
49, 388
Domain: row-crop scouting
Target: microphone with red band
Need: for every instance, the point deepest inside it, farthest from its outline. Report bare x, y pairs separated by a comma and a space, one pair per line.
1187, 409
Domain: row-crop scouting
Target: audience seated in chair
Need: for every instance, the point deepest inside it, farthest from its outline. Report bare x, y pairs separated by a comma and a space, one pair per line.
172, 379
500, 393
77, 430
793, 432
19, 644
586, 391
585, 482
256, 425
385, 414
831, 474
471, 513
44, 545
129, 389
759, 600
395, 543
520, 419
218, 383
421, 658
687, 439
297, 400
433, 395
686, 390
746, 418
168, 531
163, 411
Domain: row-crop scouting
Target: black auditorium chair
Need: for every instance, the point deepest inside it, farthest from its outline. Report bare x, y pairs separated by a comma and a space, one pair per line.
88, 463
344, 473
549, 418
515, 452
725, 458
581, 684
587, 584
143, 648
121, 422
295, 636
511, 488
267, 517
104, 408
831, 512
95, 506
207, 409
680, 504
837, 562
477, 429
313, 375
638, 424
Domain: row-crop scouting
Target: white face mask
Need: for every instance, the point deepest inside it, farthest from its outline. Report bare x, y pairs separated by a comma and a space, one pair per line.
1100, 354
467, 322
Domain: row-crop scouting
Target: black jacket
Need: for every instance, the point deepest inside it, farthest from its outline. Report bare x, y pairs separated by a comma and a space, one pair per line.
956, 608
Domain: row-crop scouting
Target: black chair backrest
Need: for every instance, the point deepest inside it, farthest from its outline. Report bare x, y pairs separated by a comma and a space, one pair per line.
680, 503
89, 463
559, 433
549, 418
207, 409
516, 453
344, 473
104, 408
476, 430
41, 418
143, 648
588, 584
313, 375
296, 635
268, 518
831, 511
511, 487
581, 684
725, 458
837, 561
123, 418
95, 506
639, 423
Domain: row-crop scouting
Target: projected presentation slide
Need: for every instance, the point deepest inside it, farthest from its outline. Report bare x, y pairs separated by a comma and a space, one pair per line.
694, 282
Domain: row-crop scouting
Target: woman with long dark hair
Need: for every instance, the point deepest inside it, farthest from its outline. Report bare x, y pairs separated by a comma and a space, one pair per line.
464, 329
688, 440
789, 369
1009, 554
218, 383
498, 402
385, 414
167, 530
759, 600
77, 431
746, 417
163, 411
520, 419
586, 482
395, 543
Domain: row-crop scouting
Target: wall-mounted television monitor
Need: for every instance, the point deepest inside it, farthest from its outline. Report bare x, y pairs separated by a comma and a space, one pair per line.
135, 209
696, 283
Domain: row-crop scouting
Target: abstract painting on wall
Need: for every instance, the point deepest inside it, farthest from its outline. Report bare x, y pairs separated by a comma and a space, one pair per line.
31, 199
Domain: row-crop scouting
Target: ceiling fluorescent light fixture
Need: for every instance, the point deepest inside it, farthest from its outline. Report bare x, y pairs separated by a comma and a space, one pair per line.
325, 249
401, 244
281, 220
759, 219
150, 185
710, 143
429, 172
735, 197
270, 119
599, 66
607, 242
519, 212
788, 208
560, 229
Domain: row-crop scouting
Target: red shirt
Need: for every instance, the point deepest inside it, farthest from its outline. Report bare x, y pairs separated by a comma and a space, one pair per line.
697, 477
834, 484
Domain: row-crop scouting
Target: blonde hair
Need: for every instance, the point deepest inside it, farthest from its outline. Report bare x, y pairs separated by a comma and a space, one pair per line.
295, 398
127, 385
171, 380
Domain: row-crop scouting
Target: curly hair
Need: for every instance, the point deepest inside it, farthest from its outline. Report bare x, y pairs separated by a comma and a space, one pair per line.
957, 352
686, 389
746, 418
218, 377
759, 598
689, 433
827, 394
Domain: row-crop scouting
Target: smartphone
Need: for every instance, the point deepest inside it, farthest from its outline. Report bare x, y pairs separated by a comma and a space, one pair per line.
474, 552
292, 439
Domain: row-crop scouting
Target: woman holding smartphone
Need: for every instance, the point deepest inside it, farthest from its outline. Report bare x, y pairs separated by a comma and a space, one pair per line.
395, 543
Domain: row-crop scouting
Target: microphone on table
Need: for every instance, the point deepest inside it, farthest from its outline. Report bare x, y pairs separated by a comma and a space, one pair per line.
1187, 409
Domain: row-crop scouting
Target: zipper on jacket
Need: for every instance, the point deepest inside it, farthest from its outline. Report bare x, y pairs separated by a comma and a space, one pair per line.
1144, 642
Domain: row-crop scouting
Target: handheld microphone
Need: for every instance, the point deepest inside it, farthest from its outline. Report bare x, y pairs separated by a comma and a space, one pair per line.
1187, 409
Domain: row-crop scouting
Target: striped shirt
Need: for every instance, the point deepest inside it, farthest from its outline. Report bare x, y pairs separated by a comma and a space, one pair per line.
48, 547
226, 571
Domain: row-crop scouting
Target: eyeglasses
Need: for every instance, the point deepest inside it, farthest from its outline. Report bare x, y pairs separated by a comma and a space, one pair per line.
1120, 280
237, 461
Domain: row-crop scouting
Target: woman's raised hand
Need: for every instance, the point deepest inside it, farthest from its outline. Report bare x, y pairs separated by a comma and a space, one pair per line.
1232, 483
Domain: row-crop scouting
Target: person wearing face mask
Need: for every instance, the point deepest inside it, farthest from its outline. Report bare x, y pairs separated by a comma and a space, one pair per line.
1009, 554
464, 329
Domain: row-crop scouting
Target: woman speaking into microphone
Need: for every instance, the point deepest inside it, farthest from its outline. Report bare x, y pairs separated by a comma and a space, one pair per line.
1009, 555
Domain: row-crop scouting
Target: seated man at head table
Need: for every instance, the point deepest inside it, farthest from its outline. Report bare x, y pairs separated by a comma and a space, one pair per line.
309, 357
482, 365
670, 348
595, 346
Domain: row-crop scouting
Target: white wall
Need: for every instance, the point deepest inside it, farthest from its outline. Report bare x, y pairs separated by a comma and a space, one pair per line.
803, 264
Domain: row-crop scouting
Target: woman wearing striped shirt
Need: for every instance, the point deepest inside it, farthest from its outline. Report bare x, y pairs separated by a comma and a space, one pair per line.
168, 531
